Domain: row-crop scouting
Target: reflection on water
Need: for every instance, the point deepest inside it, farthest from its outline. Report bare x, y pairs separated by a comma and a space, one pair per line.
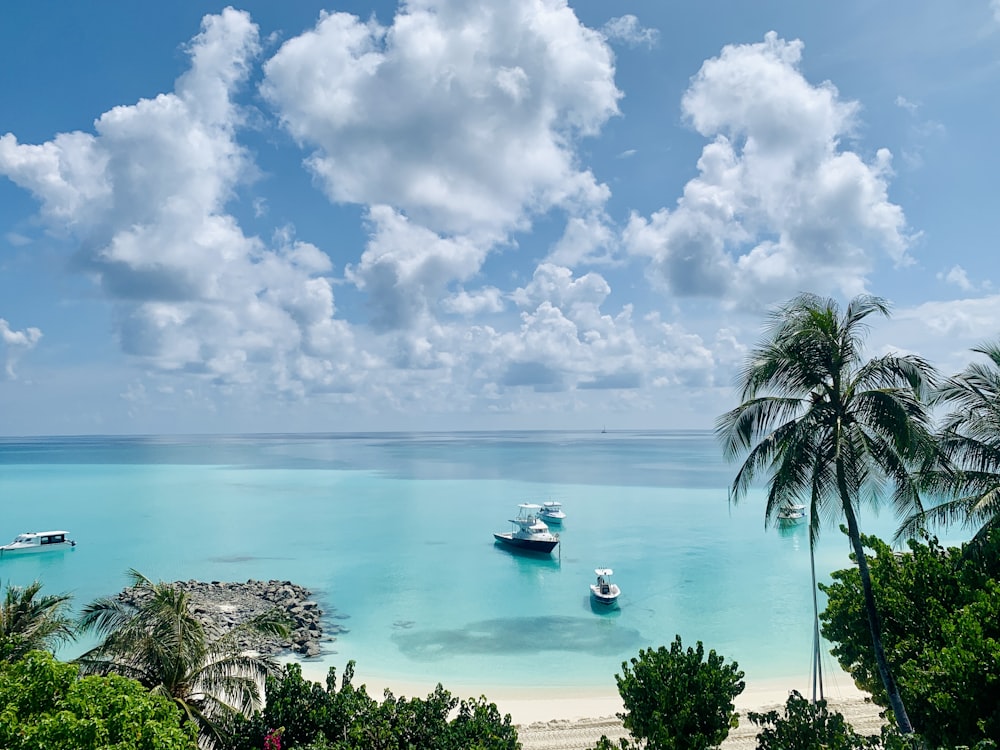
518, 636
797, 534
528, 558
604, 610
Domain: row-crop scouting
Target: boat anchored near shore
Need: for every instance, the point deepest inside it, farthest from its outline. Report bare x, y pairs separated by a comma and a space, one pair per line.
37, 541
529, 532
604, 592
552, 512
791, 514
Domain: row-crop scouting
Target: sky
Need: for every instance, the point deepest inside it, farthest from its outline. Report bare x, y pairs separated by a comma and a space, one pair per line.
457, 215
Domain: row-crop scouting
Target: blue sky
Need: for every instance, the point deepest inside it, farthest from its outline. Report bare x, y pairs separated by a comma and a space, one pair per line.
446, 214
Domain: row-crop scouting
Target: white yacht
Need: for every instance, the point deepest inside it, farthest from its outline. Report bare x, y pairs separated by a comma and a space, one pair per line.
604, 591
529, 533
37, 541
790, 514
552, 512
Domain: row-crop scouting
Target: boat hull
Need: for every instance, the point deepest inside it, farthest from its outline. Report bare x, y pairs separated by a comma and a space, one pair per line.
533, 545
604, 600
30, 549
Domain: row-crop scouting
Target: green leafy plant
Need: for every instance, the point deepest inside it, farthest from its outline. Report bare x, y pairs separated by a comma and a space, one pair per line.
31, 622
346, 718
831, 429
677, 698
45, 704
158, 642
941, 632
807, 726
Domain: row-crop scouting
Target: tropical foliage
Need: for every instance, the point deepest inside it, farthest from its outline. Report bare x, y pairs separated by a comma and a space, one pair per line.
942, 633
829, 428
676, 699
311, 716
44, 704
158, 642
30, 622
807, 725
968, 477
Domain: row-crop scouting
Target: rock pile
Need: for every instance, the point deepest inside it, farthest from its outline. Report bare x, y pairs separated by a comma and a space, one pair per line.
220, 606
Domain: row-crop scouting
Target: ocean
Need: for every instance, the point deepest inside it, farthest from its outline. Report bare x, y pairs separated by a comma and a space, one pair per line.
394, 535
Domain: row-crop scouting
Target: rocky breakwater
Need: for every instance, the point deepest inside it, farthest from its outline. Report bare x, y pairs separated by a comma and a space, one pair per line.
219, 606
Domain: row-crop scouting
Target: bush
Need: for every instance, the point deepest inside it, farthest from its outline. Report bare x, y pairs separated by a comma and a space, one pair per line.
807, 726
45, 704
940, 612
313, 718
675, 699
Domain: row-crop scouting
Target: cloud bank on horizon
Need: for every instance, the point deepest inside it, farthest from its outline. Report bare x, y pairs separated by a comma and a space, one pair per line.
490, 272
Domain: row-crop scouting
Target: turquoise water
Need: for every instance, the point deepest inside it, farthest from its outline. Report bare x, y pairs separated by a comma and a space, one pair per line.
394, 533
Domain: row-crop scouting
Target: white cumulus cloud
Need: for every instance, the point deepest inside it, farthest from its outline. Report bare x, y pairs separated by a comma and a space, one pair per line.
779, 203
628, 29
15, 344
145, 196
462, 115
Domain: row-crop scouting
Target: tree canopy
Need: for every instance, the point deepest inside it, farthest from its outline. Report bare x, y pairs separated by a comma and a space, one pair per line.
158, 641
830, 428
45, 704
941, 631
30, 622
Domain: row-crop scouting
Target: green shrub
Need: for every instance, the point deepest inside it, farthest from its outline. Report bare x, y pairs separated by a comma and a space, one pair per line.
676, 699
45, 704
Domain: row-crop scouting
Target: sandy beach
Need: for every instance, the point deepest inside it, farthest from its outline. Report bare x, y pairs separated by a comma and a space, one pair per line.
575, 718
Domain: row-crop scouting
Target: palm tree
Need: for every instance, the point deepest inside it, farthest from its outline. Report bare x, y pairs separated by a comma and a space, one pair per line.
29, 622
829, 428
158, 641
968, 474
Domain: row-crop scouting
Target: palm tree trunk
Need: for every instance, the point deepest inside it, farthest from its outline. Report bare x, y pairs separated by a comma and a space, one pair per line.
874, 623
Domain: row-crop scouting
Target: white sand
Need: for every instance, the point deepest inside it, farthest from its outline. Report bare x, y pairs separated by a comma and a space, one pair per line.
575, 718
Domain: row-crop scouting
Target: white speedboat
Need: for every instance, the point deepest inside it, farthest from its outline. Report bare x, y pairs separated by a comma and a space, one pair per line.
38, 541
604, 591
528, 533
790, 514
552, 512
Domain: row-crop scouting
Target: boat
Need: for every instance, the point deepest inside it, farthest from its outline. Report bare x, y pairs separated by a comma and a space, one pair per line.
529, 532
790, 513
552, 512
604, 591
38, 541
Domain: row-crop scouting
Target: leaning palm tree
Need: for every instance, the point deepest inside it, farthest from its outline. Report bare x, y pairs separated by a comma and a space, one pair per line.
967, 476
156, 640
29, 621
829, 428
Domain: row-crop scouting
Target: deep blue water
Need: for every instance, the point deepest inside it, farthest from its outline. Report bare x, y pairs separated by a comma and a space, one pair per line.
394, 534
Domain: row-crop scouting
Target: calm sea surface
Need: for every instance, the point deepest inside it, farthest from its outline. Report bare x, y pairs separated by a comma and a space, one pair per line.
393, 533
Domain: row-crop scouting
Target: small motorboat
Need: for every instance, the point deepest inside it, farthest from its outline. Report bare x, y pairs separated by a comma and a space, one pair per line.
605, 592
790, 514
38, 541
552, 512
529, 533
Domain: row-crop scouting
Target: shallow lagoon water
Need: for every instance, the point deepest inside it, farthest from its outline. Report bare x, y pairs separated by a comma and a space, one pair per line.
393, 533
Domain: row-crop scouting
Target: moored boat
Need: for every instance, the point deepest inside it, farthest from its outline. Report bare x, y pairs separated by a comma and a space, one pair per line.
38, 541
529, 532
604, 591
552, 512
790, 514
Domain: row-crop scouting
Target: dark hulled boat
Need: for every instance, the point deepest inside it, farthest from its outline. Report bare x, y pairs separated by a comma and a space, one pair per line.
529, 533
